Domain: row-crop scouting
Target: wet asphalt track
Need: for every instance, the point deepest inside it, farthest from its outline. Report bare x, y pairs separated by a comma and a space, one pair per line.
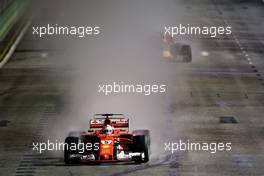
227, 82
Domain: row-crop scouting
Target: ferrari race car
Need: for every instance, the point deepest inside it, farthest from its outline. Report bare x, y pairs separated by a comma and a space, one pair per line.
174, 51
107, 140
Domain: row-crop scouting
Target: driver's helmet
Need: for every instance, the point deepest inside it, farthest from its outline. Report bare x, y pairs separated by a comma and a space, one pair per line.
108, 129
168, 38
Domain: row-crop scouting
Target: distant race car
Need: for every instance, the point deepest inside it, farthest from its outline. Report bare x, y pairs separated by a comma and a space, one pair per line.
107, 140
174, 51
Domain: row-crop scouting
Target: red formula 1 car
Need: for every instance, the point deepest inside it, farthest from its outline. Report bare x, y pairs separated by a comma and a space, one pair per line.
107, 140
175, 51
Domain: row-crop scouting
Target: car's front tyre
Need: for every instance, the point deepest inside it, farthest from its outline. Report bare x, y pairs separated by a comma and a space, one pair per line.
186, 53
70, 141
141, 144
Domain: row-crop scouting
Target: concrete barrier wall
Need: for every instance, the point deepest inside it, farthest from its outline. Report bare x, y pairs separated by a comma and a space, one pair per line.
12, 25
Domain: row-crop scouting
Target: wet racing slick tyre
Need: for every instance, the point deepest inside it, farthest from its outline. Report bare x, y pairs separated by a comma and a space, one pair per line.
70, 141
186, 53
141, 144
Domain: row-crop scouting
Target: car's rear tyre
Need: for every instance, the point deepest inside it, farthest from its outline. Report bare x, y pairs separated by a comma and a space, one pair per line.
76, 133
141, 144
186, 53
70, 141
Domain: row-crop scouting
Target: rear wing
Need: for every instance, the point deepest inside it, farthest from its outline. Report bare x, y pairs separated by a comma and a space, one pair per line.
117, 121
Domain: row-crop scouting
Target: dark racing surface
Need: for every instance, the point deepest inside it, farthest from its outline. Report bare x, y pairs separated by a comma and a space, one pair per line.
46, 91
